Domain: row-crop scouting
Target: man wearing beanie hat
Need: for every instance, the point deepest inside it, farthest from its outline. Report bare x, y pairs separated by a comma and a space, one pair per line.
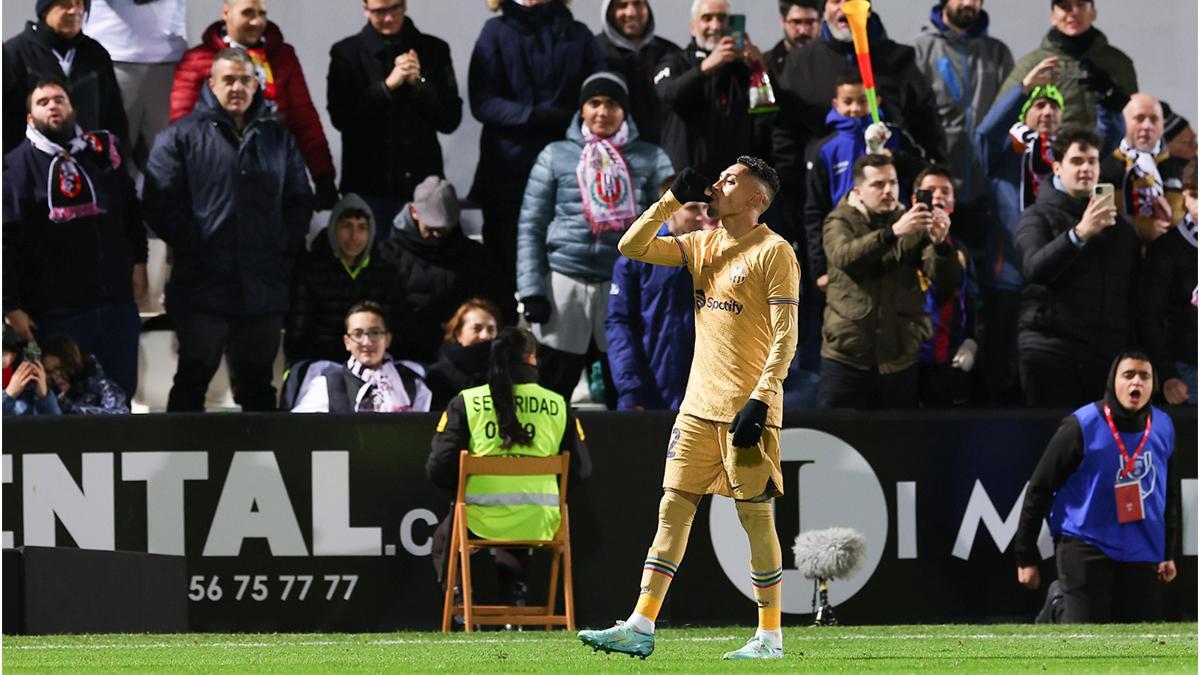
1178, 134
55, 48
439, 268
582, 195
1013, 146
705, 91
632, 50
1090, 70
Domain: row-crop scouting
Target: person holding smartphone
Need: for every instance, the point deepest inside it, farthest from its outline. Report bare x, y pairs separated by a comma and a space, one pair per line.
28, 391
705, 92
1080, 260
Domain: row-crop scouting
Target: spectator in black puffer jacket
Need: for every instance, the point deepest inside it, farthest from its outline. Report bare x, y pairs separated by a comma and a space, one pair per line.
342, 269
1080, 261
227, 190
439, 268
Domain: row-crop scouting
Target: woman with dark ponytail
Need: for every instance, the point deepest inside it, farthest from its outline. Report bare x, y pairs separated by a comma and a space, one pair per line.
514, 353
512, 416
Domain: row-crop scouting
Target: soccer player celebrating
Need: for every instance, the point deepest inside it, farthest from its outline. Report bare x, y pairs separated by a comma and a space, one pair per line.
726, 437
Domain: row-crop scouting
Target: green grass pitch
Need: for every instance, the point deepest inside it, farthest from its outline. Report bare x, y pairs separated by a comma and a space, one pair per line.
1148, 648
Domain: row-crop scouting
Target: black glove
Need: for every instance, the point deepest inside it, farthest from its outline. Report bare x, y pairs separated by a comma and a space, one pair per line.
689, 186
552, 121
537, 309
748, 424
1102, 85
326, 196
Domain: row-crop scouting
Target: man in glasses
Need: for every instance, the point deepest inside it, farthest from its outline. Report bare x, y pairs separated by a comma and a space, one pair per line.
370, 381
391, 90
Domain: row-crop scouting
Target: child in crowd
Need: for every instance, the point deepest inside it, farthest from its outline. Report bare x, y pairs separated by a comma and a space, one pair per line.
830, 158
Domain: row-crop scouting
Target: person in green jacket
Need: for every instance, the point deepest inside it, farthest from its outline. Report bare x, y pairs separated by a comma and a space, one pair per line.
510, 416
1089, 71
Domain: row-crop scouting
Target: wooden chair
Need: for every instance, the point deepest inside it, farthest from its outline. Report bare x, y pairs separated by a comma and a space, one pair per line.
462, 545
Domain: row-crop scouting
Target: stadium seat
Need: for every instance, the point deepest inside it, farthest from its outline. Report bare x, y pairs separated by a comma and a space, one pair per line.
462, 545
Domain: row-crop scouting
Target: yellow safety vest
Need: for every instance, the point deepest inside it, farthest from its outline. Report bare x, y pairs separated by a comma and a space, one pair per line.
515, 507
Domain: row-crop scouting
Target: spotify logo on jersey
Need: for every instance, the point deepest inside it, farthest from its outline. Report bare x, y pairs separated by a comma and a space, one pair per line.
827, 483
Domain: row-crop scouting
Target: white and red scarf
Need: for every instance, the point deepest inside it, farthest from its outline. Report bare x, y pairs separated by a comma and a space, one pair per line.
605, 185
69, 188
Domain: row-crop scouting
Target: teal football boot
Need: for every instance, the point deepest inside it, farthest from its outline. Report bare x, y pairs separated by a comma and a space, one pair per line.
621, 638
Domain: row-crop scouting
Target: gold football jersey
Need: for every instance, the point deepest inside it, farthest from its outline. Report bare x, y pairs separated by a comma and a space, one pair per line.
746, 299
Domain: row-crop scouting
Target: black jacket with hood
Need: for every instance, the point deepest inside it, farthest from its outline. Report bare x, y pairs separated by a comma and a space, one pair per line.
438, 274
324, 288
1077, 301
638, 65
1062, 457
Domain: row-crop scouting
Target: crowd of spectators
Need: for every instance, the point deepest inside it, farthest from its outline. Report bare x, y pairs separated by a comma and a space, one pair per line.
955, 252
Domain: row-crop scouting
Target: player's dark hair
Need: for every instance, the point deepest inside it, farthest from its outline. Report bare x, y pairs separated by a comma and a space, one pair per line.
1068, 136
874, 161
847, 78
762, 171
932, 170
510, 349
785, 6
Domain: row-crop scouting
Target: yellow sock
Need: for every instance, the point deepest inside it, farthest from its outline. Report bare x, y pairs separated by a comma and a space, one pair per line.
766, 561
662, 560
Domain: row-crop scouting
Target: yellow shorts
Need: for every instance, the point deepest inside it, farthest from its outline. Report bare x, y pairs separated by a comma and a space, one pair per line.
702, 460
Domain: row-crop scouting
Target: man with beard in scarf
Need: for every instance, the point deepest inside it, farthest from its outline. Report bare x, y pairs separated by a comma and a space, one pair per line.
55, 48
1108, 481
74, 244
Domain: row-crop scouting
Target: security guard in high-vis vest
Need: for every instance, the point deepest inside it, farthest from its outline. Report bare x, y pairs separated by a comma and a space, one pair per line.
510, 416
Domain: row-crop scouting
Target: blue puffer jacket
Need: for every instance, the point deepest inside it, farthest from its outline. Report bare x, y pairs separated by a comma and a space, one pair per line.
234, 208
1001, 268
650, 328
553, 233
527, 58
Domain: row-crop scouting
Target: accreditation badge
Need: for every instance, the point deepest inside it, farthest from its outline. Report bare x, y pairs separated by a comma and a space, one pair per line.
1129, 501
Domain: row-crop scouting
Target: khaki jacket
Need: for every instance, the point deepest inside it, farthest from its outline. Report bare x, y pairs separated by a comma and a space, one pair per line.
874, 307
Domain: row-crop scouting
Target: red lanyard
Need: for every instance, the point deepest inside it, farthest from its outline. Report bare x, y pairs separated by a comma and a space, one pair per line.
1129, 461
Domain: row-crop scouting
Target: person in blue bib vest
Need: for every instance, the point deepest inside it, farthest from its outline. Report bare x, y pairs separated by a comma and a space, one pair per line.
510, 416
1108, 482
